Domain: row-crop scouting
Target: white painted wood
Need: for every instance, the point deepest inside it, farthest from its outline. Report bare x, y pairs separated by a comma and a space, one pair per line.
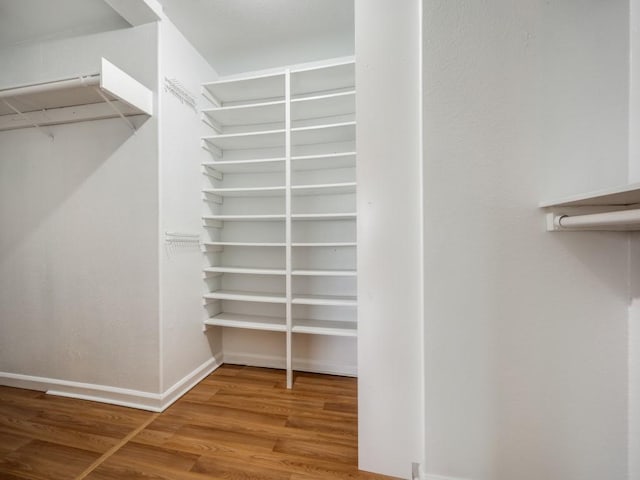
288, 236
324, 189
323, 216
245, 270
326, 161
334, 300
125, 88
325, 327
247, 166
325, 273
245, 244
250, 114
250, 322
248, 140
615, 196
330, 133
245, 296
260, 87
319, 106
247, 191
325, 244
323, 78
244, 218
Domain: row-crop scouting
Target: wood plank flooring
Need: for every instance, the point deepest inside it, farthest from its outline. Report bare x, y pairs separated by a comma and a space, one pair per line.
240, 423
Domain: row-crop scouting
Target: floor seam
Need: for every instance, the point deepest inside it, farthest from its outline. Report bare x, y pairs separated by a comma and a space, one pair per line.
105, 456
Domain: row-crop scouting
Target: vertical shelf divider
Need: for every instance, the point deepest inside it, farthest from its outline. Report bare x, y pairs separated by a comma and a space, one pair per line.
288, 239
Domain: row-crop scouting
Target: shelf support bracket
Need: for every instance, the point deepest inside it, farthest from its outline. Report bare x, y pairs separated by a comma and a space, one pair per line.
110, 103
212, 149
26, 118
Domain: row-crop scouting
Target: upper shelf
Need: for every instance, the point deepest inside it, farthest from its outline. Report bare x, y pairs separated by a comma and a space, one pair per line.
324, 78
108, 94
247, 89
616, 196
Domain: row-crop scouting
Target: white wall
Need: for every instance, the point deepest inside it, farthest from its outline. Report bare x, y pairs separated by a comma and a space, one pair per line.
526, 331
79, 216
184, 346
390, 354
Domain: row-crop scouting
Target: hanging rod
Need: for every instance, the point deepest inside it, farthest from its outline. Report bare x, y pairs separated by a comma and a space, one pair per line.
82, 81
620, 220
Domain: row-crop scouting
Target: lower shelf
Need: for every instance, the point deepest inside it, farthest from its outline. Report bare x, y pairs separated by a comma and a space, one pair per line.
325, 327
250, 322
324, 300
246, 296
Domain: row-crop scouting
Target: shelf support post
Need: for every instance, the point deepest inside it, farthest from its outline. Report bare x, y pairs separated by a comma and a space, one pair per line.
288, 262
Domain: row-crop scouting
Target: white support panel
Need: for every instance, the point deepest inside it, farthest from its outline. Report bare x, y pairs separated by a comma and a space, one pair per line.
250, 322
620, 220
245, 296
245, 270
125, 88
325, 327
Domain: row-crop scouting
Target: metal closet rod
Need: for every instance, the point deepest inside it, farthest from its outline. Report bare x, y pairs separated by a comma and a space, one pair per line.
81, 81
619, 218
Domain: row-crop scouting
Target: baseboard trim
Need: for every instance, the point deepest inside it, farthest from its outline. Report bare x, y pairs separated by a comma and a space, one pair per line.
302, 365
154, 402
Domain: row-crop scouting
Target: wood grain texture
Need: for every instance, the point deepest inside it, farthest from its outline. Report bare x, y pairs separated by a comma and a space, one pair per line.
239, 423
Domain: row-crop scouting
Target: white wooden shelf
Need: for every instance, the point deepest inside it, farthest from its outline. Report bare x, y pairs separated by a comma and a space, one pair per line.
245, 296
259, 165
247, 89
326, 161
250, 322
329, 300
245, 270
247, 140
319, 106
325, 273
111, 93
247, 191
250, 114
245, 218
323, 216
324, 244
245, 244
324, 189
329, 133
325, 327
339, 76
616, 196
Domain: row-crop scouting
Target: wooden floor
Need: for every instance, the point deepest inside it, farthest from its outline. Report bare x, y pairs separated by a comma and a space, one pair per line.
238, 423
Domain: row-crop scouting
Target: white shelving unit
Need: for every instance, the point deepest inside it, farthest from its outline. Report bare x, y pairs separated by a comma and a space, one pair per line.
613, 209
280, 195
110, 93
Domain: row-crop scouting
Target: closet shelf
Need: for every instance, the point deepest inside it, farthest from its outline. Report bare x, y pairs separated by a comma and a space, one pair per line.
245, 244
325, 327
250, 114
613, 209
327, 78
324, 244
247, 191
244, 218
326, 161
328, 133
259, 165
245, 296
323, 216
322, 106
111, 93
246, 89
329, 300
325, 273
246, 270
251, 322
324, 189
247, 140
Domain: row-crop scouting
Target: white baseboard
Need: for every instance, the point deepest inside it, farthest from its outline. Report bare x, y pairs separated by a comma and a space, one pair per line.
154, 402
302, 365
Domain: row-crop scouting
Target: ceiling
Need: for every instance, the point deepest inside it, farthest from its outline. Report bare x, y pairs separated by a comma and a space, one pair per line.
240, 35
233, 35
29, 21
